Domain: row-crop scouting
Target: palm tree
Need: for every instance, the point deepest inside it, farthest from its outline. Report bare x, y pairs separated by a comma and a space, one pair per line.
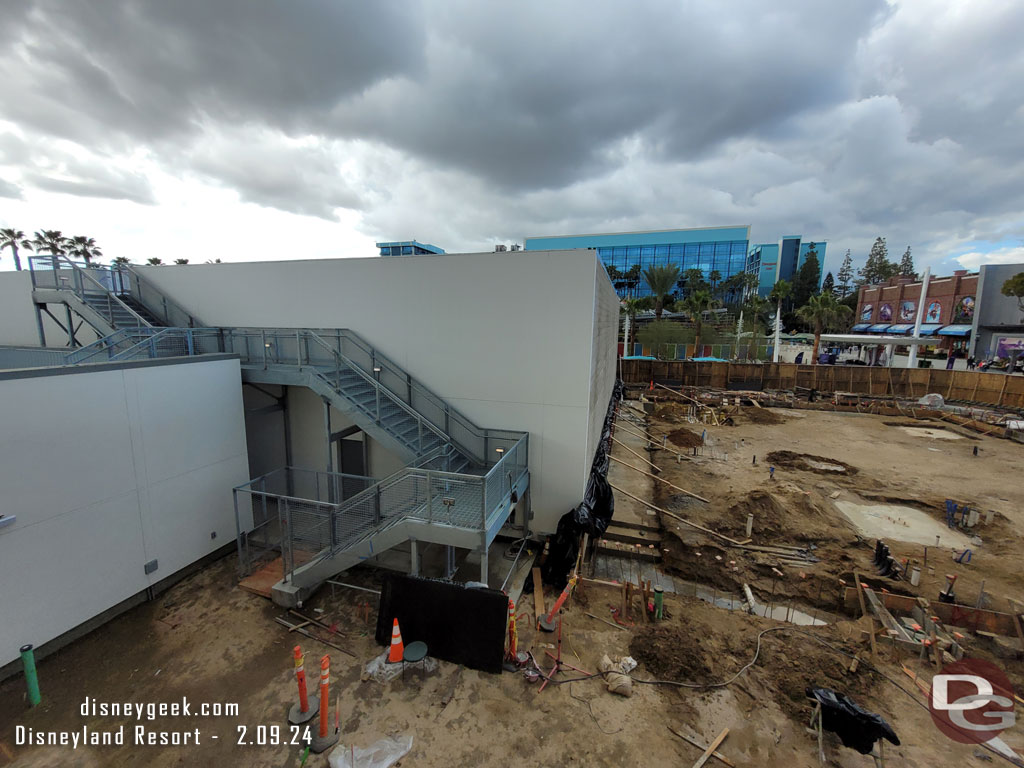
714, 276
780, 292
822, 311
660, 280
631, 307
695, 305
84, 248
181, 261
14, 239
120, 261
632, 277
154, 260
50, 241
694, 280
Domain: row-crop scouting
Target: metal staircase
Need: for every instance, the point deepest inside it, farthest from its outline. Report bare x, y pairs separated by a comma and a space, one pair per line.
458, 489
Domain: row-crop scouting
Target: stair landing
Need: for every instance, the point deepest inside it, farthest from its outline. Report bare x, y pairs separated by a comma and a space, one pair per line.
262, 580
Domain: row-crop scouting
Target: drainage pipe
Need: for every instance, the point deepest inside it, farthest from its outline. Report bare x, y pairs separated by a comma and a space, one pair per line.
28, 661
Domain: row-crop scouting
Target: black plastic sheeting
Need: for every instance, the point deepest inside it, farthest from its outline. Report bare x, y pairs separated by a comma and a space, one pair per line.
592, 515
460, 624
856, 728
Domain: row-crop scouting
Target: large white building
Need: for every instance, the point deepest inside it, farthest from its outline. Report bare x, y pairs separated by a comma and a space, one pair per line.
355, 404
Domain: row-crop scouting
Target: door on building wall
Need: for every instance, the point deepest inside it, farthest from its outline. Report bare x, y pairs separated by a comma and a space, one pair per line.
350, 458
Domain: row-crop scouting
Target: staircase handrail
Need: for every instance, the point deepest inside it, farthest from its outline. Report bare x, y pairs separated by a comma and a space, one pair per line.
384, 391
80, 274
165, 300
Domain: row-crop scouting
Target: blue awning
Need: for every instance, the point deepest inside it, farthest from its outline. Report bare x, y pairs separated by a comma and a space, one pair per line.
929, 329
901, 328
955, 330
878, 327
860, 327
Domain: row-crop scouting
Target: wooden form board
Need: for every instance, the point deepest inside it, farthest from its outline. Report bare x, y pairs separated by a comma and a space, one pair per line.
953, 615
989, 388
538, 593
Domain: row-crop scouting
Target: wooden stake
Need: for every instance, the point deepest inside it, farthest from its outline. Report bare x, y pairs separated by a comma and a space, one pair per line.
698, 745
675, 516
538, 594
626, 447
711, 749
666, 482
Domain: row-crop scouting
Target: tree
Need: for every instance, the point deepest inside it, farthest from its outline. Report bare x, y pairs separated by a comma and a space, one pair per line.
694, 280
14, 239
660, 280
659, 335
1015, 287
154, 260
828, 285
50, 241
632, 278
807, 279
821, 312
714, 276
630, 307
878, 268
613, 273
695, 305
120, 261
845, 275
181, 261
907, 265
83, 247
780, 292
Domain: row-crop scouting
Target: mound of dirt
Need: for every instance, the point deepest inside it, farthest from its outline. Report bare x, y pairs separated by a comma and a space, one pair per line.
685, 438
755, 415
674, 653
810, 463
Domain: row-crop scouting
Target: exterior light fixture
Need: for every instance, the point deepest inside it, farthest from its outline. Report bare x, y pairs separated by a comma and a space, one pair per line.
376, 369
499, 451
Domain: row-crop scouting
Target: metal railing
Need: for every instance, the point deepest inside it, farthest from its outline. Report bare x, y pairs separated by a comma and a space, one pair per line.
30, 357
477, 442
268, 497
120, 281
95, 285
154, 300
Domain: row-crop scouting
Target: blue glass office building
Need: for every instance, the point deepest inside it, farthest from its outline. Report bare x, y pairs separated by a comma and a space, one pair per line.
407, 248
782, 260
721, 249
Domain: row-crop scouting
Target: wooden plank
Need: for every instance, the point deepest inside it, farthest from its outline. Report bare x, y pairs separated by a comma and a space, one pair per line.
674, 516
962, 616
1015, 608
698, 745
864, 612
538, 594
623, 445
711, 748
666, 482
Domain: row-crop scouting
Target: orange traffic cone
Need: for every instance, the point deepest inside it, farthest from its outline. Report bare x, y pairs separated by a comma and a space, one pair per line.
397, 646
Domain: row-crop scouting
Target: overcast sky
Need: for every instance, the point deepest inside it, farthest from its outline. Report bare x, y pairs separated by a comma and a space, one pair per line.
251, 129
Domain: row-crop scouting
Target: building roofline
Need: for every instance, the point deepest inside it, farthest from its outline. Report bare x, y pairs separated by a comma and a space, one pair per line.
637, 232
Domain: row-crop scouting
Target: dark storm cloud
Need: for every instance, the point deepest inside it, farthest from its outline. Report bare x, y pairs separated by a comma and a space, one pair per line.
486, 121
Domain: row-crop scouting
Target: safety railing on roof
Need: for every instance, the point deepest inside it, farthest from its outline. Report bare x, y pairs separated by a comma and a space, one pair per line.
94, 284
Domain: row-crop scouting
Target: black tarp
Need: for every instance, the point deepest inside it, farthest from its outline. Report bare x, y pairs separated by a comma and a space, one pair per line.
460, 624
592, 515
855, 727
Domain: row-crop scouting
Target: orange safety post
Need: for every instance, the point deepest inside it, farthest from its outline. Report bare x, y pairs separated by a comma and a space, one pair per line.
325, 677
301, 712
322, 740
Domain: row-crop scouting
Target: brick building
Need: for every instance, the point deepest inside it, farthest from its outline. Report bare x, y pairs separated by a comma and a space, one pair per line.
892, 307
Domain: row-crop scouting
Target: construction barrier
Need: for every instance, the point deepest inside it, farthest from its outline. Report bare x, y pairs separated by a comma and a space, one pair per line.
996, 389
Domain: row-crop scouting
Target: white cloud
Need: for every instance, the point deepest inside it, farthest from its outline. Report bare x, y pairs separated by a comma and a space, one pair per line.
1008, 255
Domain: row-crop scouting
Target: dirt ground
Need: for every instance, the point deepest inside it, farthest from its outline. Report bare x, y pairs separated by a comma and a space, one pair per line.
212, 642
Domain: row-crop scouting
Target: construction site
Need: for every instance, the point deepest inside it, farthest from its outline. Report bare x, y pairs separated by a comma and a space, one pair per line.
282, 548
